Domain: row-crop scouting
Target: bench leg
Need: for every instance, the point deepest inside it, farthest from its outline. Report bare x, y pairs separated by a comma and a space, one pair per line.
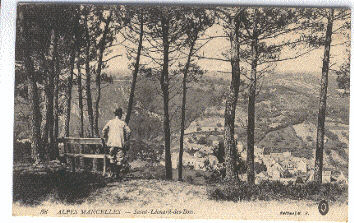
67, 150
82, 160
73, 164
94, 160
104, 165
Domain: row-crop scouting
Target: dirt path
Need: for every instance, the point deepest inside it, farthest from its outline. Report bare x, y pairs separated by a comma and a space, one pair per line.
169, 199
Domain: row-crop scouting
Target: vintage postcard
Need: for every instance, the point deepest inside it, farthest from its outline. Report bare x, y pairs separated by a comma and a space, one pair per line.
181, 111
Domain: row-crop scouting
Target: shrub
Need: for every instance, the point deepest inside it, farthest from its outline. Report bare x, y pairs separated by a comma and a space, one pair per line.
190, 166
287, 174
219, 152
190, 179
22, 151
202, 140
146, 152
198, 174
275, 190
241, 166
75, 187
259, 167
232, 192
299, 180
32, 188
217, 173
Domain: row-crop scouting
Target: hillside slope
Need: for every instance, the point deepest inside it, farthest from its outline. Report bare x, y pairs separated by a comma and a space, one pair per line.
286, 115
286, 120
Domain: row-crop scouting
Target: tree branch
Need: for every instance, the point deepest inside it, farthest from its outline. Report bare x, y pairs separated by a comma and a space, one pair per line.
118, 55
289, 58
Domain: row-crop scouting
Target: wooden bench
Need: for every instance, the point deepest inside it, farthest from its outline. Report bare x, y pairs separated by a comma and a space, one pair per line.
71, 156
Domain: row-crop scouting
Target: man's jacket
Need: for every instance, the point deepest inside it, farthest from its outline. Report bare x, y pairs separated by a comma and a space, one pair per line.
116, 132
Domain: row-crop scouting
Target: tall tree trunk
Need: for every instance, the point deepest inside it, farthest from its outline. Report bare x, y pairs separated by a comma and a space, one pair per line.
136, 70
69, 87
231, 156
81, 106
50, 96
102, 46
251, 103
37, 149
88, 81
183, 110
164, 81
45, 130
56, 106
79, 89
322, 104
68, 93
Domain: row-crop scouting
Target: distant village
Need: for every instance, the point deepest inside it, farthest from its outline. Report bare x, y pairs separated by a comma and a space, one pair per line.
279, 166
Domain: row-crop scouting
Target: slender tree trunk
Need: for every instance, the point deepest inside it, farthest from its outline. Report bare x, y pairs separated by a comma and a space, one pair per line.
69, 87
231, 156
89, 98
45, 129
50, 96
136, 70
183, 111
97, 104
164, 81
56, 106
88, 82
37, 149
322, 104
68, 93
88, 90
81, 106
251, 104
79, 86
102, 46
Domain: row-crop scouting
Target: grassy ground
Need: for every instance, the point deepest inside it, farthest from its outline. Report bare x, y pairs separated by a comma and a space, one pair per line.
144, 193
144, 198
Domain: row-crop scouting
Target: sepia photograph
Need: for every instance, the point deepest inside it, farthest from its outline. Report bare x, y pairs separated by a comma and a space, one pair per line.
181, 111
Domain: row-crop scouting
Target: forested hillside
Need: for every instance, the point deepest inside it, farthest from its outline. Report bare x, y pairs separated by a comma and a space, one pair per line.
285, 116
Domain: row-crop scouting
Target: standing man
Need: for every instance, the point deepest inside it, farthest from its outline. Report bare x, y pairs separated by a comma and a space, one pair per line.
116, 134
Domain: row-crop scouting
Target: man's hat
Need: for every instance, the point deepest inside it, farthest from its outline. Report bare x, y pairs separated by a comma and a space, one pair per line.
118, 111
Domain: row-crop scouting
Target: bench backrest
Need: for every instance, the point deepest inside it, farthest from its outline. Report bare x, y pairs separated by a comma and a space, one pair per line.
82, 141
71, 155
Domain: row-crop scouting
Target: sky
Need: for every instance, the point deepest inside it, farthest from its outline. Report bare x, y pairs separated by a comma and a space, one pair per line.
309, 63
